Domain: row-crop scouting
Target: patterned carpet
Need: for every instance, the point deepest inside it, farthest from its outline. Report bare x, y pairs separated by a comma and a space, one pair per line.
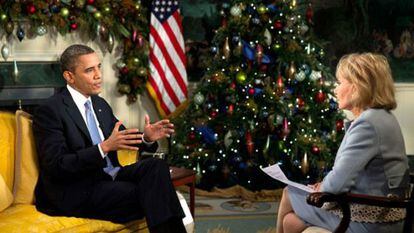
230, 215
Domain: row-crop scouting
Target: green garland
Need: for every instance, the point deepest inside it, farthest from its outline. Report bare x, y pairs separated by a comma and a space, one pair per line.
103, 21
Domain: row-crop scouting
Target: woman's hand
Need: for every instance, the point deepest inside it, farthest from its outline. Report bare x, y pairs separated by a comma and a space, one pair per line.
158, 130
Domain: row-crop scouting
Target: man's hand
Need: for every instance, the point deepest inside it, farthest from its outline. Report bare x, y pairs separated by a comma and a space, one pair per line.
316, 186
122, 139
158, 130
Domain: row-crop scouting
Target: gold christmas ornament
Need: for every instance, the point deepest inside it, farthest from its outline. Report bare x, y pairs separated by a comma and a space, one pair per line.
238, 49
226, 48
291, 70
262, 9
241, 77
305, 164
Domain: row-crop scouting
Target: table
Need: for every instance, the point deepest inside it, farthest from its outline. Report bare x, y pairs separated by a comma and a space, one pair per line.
183, 176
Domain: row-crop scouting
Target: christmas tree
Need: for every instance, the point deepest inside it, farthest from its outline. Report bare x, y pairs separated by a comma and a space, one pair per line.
266, 98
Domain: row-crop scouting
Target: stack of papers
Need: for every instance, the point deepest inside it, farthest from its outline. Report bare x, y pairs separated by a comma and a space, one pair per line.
276, 173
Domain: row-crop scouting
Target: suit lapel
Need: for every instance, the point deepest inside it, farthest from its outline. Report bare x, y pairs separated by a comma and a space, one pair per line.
74, 113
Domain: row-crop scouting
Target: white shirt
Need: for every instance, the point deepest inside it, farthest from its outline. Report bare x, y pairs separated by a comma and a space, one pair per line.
80, 101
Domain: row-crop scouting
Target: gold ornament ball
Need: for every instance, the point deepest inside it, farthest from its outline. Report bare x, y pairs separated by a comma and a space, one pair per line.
136, 60
241, 77
64, 12
3, 17
124, 88
262, 9
97, 15
142, 71
107, 9
79, 3
277, 46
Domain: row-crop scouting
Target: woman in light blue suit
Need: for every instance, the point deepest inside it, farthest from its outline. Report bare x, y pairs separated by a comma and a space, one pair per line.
371, 159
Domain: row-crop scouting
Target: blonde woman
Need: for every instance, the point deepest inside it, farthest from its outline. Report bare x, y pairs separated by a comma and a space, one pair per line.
371, 159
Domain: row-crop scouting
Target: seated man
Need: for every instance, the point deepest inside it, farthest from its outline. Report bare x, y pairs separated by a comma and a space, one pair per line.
77, 137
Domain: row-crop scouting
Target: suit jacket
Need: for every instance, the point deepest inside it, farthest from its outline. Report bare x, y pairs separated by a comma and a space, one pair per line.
371, 158
69, 163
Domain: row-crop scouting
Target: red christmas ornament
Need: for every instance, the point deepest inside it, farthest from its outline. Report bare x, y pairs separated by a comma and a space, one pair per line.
259, 54
279, 81
339, 125
224, 22
213, 114
90, 2
74, 26
278, 25
134, 36
191, 136
285, 129
230, 109
233, 86
319, 97
249, 143
315, 150
31, 9
263, 67
124, 70
309, 14
140, 40
300, 102
251, 91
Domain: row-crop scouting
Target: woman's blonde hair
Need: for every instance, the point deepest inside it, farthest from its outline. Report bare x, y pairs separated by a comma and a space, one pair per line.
371, 76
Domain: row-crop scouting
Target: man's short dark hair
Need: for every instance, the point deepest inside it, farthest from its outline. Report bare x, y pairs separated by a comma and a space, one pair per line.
69, 57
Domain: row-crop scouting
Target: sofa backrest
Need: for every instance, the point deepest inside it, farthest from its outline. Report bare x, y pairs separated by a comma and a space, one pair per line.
7, 145
26, 169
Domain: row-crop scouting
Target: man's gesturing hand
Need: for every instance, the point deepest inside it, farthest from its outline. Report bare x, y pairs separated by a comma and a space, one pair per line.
158, 130
124, 139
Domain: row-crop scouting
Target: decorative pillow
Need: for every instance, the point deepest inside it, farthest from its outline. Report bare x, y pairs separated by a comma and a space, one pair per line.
6, 197
26, 163
7, 141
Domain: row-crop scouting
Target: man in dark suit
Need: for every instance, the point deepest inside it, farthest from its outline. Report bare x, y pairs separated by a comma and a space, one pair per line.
77, 137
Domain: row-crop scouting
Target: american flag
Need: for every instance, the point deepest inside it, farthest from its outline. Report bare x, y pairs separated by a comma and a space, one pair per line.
168, 78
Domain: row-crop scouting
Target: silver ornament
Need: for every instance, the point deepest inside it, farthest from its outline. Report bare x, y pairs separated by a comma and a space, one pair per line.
41, 30
303, 29
315, 75
300, 76
235, 11
228, 138
15, 72
111, 42
120, 64
5, 52
199, 98
279, 119
268, 37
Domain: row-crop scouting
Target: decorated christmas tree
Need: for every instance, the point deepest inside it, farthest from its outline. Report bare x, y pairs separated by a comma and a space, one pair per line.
266, 98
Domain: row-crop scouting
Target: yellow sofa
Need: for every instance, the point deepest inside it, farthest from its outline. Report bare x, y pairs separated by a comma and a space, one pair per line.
18, 176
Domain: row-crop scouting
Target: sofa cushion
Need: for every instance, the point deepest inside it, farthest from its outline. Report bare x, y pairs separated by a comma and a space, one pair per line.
7, 140
25, 218
127, 157
26, 165
6, 197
